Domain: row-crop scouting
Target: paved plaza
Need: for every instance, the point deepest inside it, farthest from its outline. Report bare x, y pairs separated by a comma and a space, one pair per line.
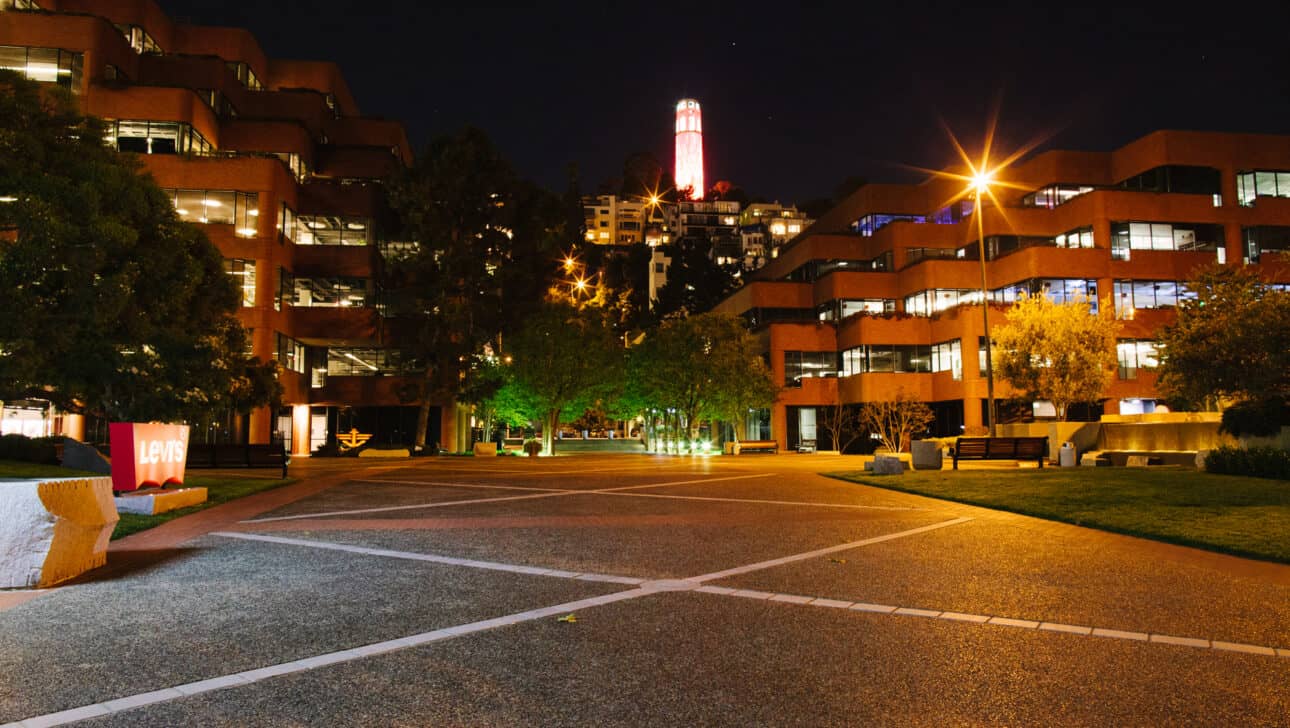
641, 590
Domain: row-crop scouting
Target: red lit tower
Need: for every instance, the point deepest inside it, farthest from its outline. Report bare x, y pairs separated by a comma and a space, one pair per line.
689, 148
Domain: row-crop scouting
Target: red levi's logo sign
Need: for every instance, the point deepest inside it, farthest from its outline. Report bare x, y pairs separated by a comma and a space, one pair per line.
147, 454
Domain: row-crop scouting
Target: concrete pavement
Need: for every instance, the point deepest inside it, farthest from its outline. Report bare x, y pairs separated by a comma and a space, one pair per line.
629, 590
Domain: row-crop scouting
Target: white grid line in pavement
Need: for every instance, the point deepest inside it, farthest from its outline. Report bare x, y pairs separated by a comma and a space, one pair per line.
386, 509
824, 552
546, 493
247, 677
854, 506
436, 559
457, 485
985, 619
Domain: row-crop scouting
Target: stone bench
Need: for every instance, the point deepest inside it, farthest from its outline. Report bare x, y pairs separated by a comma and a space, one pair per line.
53, 529
743, 446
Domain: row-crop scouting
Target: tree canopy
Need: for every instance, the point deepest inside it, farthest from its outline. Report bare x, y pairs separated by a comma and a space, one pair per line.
1057, 351
1231, 344
567, 359
116, 307
484, 242
703, 366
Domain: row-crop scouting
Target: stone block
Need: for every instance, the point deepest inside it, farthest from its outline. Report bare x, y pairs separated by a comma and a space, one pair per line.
888, 465
927, 455
485, 449
1094, 459
159, 501
53, 529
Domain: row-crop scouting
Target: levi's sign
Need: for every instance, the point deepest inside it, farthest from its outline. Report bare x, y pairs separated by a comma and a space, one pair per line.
147, 454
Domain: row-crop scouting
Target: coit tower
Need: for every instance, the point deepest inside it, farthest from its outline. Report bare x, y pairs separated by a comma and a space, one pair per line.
689, 148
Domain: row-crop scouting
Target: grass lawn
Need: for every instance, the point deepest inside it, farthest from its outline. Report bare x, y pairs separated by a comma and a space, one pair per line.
218, 490
1227, 513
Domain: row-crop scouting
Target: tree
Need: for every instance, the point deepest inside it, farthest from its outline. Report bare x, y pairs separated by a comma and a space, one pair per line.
456, 202
1230, 344
694, 282
704, 366
843, 424
1057, 351
117, 307
567, 359
895, 421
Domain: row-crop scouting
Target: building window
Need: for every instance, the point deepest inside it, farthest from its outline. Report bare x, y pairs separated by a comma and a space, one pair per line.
1135, 353
331, 292
363, 362
218, 207
1054, 195
1265, 239
947, 356
1176, 178
286, 289
290, 354
332, 230
799, 365
139, 39
243, 272
1133, 295
1057, 290
245, 75
156, 137
1184, 236
44, 65
1261, 183
872, 223
887, 358
935, 300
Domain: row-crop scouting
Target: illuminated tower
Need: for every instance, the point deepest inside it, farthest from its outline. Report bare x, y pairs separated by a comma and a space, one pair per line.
689, 147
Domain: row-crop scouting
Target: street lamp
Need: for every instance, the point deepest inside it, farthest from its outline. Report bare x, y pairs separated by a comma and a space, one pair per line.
980, 183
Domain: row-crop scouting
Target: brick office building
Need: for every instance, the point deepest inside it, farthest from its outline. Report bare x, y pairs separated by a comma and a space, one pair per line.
882, 294
274, 161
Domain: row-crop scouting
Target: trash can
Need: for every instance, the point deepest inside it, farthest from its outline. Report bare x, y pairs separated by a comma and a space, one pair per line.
1066, 455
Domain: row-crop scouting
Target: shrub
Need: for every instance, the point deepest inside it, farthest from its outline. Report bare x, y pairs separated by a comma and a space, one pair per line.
532, 446
28, 450
1259, 462
1261, 418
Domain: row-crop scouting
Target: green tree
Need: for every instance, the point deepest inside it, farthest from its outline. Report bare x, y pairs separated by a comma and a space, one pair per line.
695, 283
115, 306
1057, 351
700, 367
457, 203
568, 360
1231, 345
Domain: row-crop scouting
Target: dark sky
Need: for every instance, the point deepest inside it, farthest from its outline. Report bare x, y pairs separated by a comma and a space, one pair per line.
794, 99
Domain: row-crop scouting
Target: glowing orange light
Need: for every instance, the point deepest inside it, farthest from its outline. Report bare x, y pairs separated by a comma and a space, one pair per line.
580, 284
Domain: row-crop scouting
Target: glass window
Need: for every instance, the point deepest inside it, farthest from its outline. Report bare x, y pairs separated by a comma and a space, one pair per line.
44, 65
1134, 354
243, 272
1265, 239
332, 292
948, 357
219, 207
333, 230
363, 362
290, 354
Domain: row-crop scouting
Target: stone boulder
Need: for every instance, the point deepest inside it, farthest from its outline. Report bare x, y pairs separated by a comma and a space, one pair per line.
53, 529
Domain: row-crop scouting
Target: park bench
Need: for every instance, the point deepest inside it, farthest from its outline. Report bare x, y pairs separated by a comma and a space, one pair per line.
770, 446
273, 455
1000, 448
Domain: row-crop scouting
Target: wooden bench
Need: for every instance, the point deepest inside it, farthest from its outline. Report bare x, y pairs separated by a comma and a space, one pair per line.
273, 455
1000, 448
770, 446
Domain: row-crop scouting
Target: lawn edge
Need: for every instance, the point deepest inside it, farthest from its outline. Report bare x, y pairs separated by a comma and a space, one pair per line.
1176, 541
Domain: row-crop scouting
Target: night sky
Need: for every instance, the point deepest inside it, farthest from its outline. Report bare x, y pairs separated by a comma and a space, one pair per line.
794, 100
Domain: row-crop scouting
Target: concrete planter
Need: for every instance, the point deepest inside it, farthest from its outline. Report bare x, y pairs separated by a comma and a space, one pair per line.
53, 529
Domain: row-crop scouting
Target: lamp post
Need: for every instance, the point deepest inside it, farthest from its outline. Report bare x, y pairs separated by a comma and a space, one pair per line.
981, 183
